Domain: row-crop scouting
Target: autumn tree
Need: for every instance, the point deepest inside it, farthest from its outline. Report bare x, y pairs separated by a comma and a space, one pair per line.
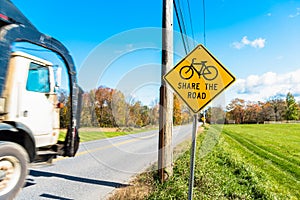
103, 106
138, 114
88, 113
236, 109
267, 112
144, 113
274, 109
186, 114
119, 108
252, 110
177, 117
64, 113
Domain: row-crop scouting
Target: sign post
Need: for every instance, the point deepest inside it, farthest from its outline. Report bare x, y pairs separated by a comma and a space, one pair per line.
198, 79
193, 155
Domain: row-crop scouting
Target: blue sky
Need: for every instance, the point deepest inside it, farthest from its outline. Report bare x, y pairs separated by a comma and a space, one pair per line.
258, 41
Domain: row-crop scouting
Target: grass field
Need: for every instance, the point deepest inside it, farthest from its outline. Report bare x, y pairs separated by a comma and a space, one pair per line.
235, 162
272, 151
89, 134
86, 136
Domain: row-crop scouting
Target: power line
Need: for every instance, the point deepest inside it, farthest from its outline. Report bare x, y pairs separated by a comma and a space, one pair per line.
180, 28
183, 24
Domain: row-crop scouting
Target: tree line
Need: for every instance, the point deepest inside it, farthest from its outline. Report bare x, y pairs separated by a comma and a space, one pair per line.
107, 107
239, 111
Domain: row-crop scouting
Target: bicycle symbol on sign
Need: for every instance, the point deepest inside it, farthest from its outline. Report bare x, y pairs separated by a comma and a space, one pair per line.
208, 72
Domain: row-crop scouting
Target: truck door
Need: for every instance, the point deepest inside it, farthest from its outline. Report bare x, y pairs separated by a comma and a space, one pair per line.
37, 104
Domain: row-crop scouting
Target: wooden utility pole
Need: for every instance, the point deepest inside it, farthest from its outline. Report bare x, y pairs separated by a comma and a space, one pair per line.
165, 150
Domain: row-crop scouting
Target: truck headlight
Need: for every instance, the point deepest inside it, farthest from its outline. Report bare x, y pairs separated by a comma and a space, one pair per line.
2, 105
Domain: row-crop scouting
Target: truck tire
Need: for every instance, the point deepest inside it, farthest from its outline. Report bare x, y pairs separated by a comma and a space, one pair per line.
13, 168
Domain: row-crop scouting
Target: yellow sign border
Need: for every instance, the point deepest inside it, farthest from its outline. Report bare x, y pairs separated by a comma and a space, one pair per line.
215, 59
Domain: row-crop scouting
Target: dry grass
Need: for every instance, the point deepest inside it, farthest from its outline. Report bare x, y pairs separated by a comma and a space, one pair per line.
138, 189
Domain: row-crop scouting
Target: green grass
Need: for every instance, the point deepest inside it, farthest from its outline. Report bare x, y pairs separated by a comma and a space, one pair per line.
86, 136
271, 150
241, 162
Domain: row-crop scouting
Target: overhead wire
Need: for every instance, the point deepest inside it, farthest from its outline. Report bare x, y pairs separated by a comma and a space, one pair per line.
180, 28
184, 26
182, 23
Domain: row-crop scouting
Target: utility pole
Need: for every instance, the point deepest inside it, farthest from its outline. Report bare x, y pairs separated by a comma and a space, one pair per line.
165, 150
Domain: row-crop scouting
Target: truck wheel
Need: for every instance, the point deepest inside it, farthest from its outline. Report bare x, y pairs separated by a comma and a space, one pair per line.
13, 169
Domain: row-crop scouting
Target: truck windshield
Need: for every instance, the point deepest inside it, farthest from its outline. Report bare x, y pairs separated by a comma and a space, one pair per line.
38, 78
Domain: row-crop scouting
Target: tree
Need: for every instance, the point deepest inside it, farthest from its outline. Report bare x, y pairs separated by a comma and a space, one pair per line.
252, 111
279, 107
236, 109
154, 115
177, 117
88, 112
135, 114
215, 115
64, 113
103, 107
291, 107
144, 113
267, 112
119, 108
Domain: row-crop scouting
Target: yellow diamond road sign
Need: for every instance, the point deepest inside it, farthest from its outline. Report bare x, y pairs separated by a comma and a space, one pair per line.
199, 78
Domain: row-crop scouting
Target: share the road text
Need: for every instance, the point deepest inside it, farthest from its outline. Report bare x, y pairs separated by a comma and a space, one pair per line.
197, 91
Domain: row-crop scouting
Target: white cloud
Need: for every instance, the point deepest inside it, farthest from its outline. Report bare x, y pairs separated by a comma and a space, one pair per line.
262, 87
238, 45
296, 14
269, 14
256, 43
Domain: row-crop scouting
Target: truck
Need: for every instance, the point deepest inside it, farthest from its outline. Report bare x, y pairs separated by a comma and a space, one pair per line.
29, 106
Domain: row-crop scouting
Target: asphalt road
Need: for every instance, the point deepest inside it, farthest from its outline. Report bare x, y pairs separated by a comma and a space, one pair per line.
99, 167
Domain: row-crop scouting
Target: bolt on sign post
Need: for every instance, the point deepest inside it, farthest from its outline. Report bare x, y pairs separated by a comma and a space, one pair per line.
198, 79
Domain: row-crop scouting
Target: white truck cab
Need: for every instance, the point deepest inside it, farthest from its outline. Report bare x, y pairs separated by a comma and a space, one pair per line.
29, 111
30, 96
